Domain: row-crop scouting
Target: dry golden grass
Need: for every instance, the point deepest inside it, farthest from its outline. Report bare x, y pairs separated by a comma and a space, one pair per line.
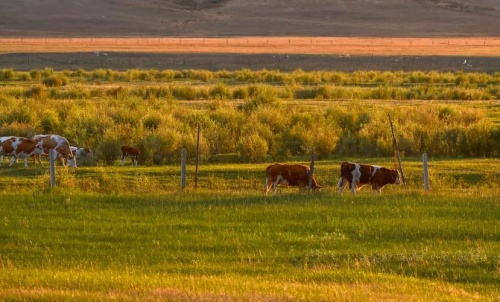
470, 46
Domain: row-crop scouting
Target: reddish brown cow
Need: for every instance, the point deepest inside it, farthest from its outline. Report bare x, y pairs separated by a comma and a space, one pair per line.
19, 147
358, 175
132, 152
293, 175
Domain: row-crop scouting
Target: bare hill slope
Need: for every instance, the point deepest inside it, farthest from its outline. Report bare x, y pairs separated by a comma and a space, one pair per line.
211, 18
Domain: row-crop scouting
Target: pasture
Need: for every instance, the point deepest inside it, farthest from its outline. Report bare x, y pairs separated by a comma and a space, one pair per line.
129, 233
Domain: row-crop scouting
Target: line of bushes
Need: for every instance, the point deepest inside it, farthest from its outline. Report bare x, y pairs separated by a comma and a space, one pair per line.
262, 127
297, 77
176, 91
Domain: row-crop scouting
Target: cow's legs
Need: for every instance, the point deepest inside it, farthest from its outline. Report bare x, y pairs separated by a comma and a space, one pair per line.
341, 185
356, 176
376, 189
13, 160
38, 158
275, 184
123, 159
268, 186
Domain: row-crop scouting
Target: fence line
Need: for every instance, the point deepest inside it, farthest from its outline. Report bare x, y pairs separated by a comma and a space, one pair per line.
235, 41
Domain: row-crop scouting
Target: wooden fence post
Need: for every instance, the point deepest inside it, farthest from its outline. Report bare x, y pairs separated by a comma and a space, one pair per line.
396, 148
197, 158
52, 167
426, 172
311, 171
183, 168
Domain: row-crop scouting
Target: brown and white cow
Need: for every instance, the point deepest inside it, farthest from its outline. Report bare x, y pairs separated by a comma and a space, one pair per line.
58, 143
19, 147
293, 175
358, 175
128, 151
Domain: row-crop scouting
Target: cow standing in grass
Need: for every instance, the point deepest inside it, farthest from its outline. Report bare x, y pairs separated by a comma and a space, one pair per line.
131, 152
292, 175
58, 143
358, 175
19, 147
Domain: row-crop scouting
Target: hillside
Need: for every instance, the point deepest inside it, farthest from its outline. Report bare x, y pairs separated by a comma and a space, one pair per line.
212, 18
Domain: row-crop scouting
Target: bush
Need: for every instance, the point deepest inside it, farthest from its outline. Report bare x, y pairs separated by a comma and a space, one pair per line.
36, 74
108, 150
253, 148
55, 81
6, 74
37, 92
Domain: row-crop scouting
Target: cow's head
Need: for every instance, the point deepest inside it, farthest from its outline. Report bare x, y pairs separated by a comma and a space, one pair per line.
72, 161
395, 179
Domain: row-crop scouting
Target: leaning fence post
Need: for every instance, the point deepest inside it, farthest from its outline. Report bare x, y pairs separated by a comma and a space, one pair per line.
183, 168
426, 172
396, 148
52, 167
311, 171
197, 158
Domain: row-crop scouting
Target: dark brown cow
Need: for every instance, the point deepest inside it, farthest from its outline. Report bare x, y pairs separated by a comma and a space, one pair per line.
19, 147
358, 175
132, 152
293, 175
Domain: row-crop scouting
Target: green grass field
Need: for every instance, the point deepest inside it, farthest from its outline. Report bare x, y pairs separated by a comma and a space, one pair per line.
129, 233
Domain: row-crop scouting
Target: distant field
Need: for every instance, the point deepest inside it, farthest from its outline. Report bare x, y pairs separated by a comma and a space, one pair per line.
469, 46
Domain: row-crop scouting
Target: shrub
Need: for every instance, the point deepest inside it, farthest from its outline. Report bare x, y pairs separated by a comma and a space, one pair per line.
152, 122
252, 148
108, 150
47, 72
36, 74
49, 121
56, 81
24, 76
37, 92
6, 74
240, 93
219, 91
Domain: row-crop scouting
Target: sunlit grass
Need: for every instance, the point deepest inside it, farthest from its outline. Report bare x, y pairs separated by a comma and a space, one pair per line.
226, 240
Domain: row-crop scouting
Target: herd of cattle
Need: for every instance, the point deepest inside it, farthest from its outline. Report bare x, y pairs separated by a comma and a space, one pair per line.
295, 175
357, 175
23, 148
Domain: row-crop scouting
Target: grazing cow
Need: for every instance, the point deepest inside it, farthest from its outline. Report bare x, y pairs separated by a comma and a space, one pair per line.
132, 152
359, 175
60, 144
293, 175
19, 147
80, 152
